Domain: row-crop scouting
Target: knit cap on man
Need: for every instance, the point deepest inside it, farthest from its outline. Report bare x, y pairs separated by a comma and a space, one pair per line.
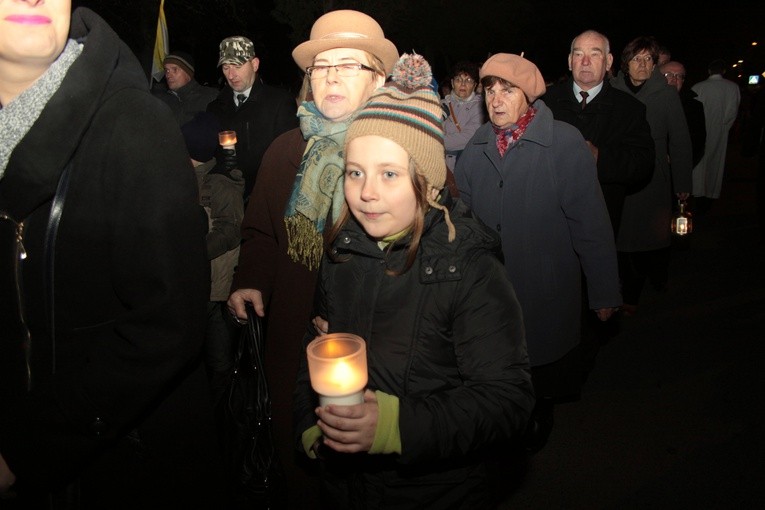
183, 60
408, 112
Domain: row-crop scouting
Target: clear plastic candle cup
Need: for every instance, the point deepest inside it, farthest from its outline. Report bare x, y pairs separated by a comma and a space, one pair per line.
227, 139
337, 365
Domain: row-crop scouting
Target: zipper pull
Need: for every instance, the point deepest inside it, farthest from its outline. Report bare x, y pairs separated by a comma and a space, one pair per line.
19, 235
20, 240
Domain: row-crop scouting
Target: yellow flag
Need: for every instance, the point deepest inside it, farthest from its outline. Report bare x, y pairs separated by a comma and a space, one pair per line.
161, 44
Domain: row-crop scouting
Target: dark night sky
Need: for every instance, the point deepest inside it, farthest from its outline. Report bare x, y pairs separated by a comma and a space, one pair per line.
543, 31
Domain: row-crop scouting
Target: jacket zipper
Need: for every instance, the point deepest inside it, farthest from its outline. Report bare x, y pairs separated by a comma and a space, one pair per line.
21, 254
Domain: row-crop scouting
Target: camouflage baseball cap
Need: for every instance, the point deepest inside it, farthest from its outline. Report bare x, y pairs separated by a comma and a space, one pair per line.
236, 50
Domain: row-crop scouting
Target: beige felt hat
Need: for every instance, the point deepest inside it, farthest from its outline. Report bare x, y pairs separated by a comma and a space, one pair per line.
346, 29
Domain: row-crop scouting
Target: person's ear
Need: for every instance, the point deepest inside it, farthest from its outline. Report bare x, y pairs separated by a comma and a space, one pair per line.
255, 63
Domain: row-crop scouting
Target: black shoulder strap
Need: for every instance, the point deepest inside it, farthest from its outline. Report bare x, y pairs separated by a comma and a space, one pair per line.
50, 251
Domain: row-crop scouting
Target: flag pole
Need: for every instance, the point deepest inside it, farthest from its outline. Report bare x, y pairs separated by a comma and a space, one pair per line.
161, 45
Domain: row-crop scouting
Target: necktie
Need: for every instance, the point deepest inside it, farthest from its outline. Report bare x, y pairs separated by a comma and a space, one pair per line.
584, 98
241, 98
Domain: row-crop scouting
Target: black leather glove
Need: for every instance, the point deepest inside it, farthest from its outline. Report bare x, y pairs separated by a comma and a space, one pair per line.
225, 160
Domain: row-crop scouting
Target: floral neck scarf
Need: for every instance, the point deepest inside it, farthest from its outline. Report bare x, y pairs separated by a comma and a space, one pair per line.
508, 137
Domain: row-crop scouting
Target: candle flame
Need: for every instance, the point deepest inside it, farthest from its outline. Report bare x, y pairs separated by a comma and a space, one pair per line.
341, 374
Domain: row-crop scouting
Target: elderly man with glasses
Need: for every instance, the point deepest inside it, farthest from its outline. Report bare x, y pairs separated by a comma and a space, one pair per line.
674, 73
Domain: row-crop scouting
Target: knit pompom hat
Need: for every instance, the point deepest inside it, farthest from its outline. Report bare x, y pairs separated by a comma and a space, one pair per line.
408, 112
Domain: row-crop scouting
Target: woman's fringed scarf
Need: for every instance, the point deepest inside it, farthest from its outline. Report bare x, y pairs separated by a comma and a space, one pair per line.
318, 185
17, 117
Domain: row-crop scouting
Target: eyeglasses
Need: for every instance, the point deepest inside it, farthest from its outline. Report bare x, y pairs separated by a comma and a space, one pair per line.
676, 76
466, 81
344, 70
647, 59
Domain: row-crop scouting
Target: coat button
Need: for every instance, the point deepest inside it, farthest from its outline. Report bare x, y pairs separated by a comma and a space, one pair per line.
428, 270
501, 184
452, 269
346, 240
98, 426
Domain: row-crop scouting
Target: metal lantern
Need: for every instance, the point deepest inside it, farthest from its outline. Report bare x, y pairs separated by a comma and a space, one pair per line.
682, 222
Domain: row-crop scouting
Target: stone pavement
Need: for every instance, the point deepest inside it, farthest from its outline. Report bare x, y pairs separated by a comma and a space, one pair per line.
673, 414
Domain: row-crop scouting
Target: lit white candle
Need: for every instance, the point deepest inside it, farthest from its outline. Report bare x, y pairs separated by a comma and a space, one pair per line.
337, 365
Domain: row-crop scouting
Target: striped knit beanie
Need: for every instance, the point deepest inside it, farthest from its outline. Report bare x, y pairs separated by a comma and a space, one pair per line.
408, 112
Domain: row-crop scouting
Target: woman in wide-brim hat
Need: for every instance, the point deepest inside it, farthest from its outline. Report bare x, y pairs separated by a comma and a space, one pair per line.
299, 191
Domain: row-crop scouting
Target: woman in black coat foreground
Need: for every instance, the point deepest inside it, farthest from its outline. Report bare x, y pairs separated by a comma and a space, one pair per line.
103, 398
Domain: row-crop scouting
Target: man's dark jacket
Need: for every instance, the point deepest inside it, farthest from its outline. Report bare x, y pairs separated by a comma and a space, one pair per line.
267, 113
616, 124
187, 101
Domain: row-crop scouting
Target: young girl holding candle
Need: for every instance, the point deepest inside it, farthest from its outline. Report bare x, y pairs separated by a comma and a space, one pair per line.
410, 271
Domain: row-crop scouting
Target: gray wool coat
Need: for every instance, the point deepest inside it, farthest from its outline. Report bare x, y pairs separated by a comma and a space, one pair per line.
647, 213
544, 199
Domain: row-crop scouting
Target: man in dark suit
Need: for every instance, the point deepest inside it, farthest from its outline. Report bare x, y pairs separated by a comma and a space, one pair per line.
613, 123
615, 128
257, 112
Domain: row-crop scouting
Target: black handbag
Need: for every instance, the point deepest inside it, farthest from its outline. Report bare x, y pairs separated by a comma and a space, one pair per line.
253, 466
